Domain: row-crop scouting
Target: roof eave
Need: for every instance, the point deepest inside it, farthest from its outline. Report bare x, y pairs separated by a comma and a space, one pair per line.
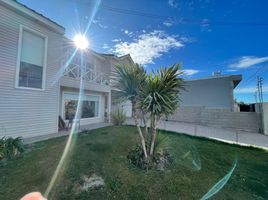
236, 79
33, 14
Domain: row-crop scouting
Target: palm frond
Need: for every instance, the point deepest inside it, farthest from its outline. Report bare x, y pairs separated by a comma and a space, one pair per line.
127, 80
160, 94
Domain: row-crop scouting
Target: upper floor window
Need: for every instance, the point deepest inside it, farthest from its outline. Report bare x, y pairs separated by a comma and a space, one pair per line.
32, 60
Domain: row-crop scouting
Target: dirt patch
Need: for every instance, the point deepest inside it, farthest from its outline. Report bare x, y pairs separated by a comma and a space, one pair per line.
92, 182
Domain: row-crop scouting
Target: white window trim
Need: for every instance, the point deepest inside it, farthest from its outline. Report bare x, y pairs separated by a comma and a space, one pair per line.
22, 28
77, 93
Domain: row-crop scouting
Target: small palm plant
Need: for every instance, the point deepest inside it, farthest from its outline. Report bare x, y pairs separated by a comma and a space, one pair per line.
10, 147
118, 117
155, 95
127, 81
159, 97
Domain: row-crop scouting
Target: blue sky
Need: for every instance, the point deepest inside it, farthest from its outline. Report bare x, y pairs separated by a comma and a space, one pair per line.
203, 35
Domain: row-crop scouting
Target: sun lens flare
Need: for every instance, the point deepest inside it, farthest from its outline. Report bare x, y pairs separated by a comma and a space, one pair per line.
81, 41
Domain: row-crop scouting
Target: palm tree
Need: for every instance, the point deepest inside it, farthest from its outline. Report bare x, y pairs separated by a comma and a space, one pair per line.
160, 96
127, 81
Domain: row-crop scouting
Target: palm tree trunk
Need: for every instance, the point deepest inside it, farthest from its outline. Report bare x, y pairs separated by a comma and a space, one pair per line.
153, 126
139, 131
145, 123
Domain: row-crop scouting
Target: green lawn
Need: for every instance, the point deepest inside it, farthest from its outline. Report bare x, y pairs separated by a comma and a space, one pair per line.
104, 151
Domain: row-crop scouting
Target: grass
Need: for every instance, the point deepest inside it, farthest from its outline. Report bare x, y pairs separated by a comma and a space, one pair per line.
103, 151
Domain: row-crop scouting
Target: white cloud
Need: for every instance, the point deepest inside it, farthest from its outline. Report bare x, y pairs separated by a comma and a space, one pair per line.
248, 61
167, 24
105, 46
148, 46
172, 3
190, 72
127, 32
116, 40
205, 26
250, 90
231, 70
98, 23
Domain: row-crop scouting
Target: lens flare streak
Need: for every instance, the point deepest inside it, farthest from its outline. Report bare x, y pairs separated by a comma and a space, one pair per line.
220, 184
59, 74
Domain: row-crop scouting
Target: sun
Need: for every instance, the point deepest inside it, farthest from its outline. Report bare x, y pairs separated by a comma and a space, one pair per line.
81, 41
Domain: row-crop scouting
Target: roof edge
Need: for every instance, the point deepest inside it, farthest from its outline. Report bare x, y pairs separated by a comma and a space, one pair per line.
235, 78
231, 76
33, 14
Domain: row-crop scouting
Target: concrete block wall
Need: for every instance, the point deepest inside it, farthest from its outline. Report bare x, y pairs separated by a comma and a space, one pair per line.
220, 118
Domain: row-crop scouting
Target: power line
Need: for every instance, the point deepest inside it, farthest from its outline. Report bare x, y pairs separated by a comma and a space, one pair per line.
133, 12
179, 21
182, 21
254, 75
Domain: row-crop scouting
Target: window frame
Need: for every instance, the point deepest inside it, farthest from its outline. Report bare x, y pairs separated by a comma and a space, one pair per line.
22, 29
86, 94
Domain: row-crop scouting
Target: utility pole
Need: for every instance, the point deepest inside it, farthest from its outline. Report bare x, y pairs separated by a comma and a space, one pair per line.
260, 94
256, 97
261, 83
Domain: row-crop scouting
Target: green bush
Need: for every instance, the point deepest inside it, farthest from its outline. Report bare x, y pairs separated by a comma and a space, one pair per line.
158, 161
118, 117
10, 147
136, 158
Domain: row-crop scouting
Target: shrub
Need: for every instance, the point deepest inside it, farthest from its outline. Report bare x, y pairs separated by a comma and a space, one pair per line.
136, 158
10, 147
2, 148
118, 117
159, 160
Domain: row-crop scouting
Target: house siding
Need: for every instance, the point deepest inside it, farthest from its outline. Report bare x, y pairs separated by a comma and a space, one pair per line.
26, 112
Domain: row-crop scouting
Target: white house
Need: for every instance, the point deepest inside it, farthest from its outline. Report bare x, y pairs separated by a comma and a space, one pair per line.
38, 80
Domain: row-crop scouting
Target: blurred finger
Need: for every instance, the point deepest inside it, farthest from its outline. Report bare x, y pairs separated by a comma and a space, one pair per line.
33, 196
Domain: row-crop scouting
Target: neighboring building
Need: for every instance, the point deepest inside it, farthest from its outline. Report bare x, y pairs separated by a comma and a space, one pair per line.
36, 85
212, 92
210, 102
215, 92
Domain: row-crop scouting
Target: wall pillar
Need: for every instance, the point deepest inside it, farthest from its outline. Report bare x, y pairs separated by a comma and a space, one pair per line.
109, 106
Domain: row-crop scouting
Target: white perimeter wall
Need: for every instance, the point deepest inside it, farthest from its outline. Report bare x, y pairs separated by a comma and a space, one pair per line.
221, 118
265, 118
265, 115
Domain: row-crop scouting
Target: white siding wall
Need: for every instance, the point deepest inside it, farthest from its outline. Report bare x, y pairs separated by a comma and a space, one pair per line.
125, 106
23, 112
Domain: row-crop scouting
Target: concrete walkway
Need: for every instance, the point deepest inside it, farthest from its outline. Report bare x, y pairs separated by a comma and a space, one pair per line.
225, 135
64, 133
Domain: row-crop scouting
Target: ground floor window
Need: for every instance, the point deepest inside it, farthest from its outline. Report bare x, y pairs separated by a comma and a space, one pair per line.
89, 106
